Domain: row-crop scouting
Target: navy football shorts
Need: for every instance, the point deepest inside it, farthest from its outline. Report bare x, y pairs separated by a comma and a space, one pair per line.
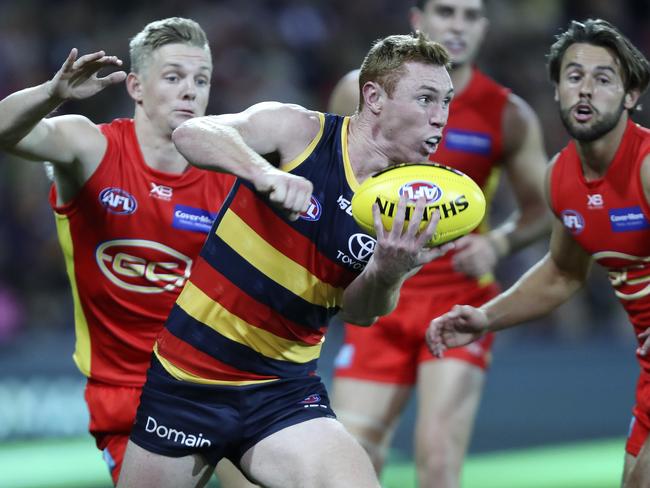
178, 418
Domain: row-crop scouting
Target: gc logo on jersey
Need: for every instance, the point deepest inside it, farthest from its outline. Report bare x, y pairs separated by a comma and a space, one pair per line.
143, 266
118, 201
573, 221
314, 210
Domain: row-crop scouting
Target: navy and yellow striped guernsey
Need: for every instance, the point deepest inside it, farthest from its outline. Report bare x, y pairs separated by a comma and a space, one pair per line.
262, 292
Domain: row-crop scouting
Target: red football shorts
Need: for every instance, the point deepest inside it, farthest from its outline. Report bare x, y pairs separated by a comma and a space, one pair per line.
640, 425
391, 350
112, 413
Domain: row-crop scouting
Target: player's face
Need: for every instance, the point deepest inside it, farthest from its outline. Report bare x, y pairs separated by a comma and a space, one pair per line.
175, 85
459, 25
412, 118
591, 92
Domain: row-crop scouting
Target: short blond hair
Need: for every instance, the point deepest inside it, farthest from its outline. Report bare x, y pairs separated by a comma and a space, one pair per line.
384, 63
173, 30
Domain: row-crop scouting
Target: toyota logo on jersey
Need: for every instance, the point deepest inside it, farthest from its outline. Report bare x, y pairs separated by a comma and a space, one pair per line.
416, 189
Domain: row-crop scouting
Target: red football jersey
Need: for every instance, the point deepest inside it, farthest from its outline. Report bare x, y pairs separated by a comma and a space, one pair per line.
471, 143
130, 239
608, 217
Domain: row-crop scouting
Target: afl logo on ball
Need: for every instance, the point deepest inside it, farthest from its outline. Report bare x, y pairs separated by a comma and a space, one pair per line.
118, 201
314, 210
416, 189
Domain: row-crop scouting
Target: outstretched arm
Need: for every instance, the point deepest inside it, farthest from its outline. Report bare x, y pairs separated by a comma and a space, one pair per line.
549, 283
64, 139
524, 164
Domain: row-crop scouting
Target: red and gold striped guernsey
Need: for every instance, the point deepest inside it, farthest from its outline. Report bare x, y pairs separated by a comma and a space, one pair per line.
258, 302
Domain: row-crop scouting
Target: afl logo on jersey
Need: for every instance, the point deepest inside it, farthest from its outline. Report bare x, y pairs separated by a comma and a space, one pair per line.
118, 201
573, 221
416, 189
143, 266
314, 210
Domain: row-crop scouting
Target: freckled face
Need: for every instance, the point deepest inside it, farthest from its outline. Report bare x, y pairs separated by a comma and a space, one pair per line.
413, 117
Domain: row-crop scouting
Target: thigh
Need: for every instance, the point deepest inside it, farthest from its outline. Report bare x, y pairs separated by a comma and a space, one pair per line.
449, 393
145, 469
317, 452
230, 476
369, 409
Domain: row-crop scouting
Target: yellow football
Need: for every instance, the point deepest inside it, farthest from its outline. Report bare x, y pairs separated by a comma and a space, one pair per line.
455, 195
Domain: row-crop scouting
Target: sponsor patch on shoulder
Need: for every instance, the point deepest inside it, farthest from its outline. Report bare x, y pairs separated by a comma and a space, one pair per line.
628, 219
192, 219
468, 141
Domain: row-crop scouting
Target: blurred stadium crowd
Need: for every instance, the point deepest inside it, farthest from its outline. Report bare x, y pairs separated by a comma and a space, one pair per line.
287, 50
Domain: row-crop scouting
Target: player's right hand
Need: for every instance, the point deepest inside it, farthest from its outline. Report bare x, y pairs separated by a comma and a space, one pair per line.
460, 326
78, 77
290, 193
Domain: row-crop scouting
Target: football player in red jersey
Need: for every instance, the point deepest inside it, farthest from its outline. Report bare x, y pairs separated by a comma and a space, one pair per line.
489, 129
131, 213
598, 187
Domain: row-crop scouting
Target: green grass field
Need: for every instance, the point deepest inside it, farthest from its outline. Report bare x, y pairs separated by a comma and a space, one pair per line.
77, 464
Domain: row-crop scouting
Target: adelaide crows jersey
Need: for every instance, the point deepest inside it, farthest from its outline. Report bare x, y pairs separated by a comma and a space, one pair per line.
262, 292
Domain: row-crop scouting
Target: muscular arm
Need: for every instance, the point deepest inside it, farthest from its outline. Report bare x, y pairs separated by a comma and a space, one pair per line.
548, 284
234, 144
398, 255
525, 163
64, 140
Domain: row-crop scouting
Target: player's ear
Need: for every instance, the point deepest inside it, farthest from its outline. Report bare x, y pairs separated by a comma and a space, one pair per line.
134, 87
631, 98
373, 96
415, 17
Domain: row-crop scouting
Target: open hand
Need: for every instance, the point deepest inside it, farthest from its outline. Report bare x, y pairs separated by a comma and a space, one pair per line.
78, 77
460, 326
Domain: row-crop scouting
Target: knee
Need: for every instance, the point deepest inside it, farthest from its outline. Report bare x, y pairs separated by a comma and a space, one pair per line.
439, 457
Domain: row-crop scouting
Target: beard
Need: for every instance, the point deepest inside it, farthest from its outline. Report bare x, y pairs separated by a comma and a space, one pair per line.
599, 128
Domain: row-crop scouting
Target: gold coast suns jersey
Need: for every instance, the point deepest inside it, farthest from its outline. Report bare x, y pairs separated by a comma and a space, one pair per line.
130, 239
261, 295
608, 217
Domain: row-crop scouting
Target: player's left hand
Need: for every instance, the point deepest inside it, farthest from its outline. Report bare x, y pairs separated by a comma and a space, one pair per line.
475, 255
644, 348
399, 251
